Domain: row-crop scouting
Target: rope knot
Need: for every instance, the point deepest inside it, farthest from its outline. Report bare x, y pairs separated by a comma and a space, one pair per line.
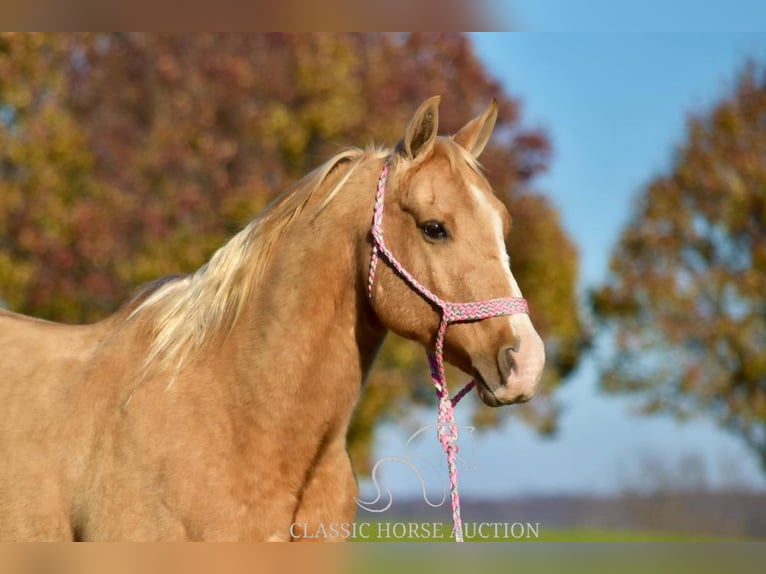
448, 435
446, 427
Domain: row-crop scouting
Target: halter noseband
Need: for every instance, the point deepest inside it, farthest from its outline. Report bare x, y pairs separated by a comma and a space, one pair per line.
447, 429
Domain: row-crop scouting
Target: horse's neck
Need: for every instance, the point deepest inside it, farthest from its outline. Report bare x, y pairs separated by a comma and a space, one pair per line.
310, 336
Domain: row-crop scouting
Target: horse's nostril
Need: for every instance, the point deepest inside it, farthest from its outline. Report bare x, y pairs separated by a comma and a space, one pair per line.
516, 347
506, 362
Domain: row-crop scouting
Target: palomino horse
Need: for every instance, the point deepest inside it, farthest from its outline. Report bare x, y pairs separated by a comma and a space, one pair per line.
215, 406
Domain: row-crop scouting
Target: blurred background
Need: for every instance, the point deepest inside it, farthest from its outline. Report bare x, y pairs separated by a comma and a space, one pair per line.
634, 165
661, 424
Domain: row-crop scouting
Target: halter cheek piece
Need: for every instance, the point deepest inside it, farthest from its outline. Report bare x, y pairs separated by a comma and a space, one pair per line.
447, 429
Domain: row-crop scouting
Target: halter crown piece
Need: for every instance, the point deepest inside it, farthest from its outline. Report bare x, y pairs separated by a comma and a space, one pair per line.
447, 430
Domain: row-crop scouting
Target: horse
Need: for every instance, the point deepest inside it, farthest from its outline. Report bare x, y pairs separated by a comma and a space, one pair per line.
215, 406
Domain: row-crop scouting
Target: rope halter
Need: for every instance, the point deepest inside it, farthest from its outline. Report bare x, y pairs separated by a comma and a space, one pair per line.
447, 430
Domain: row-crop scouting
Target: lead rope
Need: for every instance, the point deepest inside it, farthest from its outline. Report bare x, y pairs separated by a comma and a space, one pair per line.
446, 428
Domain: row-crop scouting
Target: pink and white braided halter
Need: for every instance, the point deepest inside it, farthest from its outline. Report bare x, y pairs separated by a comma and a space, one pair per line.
447, 430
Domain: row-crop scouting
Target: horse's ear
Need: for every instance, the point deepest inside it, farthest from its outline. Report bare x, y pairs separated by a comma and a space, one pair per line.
421, 131
474, 135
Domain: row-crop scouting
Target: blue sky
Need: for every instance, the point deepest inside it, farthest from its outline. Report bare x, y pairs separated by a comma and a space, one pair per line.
614, 106
631, 15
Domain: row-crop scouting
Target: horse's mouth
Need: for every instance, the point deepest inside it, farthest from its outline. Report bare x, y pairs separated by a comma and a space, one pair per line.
485, 393
488, 396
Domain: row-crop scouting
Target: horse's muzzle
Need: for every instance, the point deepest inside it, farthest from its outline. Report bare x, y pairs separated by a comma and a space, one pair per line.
519, 368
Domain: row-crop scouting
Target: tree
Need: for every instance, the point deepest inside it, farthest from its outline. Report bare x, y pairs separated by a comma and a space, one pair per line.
685, 297
126, 157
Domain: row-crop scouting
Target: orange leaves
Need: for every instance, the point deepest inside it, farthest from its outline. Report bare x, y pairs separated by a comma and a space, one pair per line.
126, 157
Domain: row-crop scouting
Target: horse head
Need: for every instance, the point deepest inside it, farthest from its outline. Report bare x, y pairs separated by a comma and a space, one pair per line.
445, 245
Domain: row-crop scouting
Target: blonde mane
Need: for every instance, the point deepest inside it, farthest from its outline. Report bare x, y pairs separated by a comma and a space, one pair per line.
184, 314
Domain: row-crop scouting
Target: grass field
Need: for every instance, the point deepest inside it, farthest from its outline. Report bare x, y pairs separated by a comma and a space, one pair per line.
434, 532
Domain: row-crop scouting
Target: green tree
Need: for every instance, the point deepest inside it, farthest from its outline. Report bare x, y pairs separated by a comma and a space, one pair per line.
126, 157
686, 295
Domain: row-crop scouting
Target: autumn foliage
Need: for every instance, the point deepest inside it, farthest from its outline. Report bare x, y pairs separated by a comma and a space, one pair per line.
686, 297
127, 157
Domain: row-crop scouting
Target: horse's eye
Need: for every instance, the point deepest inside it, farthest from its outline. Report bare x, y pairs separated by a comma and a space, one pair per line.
435, 230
